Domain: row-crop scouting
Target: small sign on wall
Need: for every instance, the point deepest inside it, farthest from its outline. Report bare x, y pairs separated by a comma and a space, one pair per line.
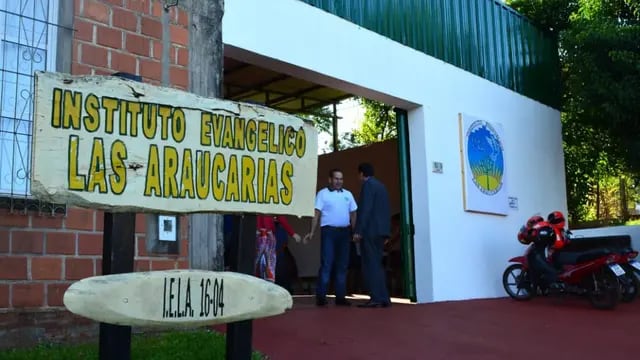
167, 228
437, 167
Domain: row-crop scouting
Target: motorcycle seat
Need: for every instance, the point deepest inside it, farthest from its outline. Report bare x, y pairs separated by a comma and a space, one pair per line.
577, 257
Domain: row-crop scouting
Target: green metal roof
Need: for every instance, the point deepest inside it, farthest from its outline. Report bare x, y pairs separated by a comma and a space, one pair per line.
484, 37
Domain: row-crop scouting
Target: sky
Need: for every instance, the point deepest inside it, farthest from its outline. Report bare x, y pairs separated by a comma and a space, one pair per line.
351, 114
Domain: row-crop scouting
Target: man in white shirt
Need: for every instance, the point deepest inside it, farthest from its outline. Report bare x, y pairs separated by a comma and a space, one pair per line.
335, 210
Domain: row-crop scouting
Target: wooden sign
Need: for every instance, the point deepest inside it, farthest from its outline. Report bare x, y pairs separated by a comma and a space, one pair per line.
118, 145
175, 298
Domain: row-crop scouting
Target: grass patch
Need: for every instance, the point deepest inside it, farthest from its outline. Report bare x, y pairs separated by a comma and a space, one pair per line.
175, 345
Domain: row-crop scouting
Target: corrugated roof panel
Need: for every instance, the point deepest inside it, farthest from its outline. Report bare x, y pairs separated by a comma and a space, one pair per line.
484, 37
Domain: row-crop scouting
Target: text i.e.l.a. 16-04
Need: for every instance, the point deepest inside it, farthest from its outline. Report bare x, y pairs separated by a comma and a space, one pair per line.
178, 302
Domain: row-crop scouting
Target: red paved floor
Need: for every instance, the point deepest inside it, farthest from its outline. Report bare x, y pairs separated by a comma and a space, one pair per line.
478, 329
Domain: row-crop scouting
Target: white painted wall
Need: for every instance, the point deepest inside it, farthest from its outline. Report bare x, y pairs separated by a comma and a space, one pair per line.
458, 255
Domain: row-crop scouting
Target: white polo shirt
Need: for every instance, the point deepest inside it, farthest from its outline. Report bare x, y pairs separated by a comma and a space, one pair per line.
335, 207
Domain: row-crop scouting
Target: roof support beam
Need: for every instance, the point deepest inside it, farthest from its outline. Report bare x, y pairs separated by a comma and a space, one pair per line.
294, 95
323, 103
251, 89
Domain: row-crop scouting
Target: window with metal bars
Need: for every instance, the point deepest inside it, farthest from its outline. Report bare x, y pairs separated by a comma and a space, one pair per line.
28, 42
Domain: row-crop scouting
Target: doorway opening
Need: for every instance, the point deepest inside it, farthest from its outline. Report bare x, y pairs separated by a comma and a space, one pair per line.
352, 129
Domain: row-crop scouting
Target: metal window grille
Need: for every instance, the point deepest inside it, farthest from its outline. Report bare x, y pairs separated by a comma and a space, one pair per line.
28, 42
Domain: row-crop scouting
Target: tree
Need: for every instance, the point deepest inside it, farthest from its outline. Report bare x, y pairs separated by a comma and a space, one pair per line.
602, 81
323, 121
600, 60
379, 123
551, 16
321, 118
205, 67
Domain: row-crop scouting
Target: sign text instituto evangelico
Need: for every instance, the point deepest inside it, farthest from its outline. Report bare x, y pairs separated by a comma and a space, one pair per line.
120, 145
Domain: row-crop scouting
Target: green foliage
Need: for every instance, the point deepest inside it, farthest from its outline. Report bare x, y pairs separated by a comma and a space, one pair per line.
379, 123
191, 345
551, 16
322, 119
600, 55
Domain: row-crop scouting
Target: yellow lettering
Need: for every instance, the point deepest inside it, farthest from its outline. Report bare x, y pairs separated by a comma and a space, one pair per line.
123, 117
152, 181
149, 120
227, 139
301, 143
290, 135
286, 192
205, 129
248, 173
75, 181
92, 119
55, 108
118, 180
202, 173
170, 169
218, 185
218, 123
165, 114
261, 164
187, 175
233, 188
273, 146
134, 110
281, 139
110, 105
97, 171
239, 133
272, 182
263, 127
72, 109
178, 129
251, 135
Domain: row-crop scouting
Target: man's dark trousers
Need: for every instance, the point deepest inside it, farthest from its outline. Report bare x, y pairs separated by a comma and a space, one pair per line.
374, 276
334, 251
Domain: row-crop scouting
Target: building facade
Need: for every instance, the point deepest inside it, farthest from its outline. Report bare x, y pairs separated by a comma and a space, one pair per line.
434, 60
438, 61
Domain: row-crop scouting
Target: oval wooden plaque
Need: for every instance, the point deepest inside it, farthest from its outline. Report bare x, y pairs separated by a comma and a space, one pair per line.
175, 298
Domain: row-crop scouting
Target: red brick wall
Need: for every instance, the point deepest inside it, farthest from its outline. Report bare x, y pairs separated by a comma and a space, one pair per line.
39, 255
111, 37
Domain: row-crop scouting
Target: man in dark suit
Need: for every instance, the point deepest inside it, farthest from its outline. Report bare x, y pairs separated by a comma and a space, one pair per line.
371, 230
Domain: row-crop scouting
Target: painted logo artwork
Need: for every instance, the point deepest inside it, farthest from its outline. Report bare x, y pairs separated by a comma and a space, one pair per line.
485, 156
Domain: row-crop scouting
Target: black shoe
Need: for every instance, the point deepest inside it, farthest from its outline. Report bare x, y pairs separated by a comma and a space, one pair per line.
321, 302
342, 302
374, 305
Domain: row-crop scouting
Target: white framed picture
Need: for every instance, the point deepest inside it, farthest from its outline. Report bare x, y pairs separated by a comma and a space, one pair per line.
484, 182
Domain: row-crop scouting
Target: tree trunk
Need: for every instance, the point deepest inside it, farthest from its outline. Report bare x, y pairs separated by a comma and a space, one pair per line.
624, 209
598, 198
206, 245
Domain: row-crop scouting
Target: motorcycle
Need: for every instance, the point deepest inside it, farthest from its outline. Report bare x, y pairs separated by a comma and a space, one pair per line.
620, 244
593, 273
629, 283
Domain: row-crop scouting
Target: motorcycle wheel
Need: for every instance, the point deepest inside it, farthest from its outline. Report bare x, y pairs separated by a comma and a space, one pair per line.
629, 292
605, 290
520, 279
